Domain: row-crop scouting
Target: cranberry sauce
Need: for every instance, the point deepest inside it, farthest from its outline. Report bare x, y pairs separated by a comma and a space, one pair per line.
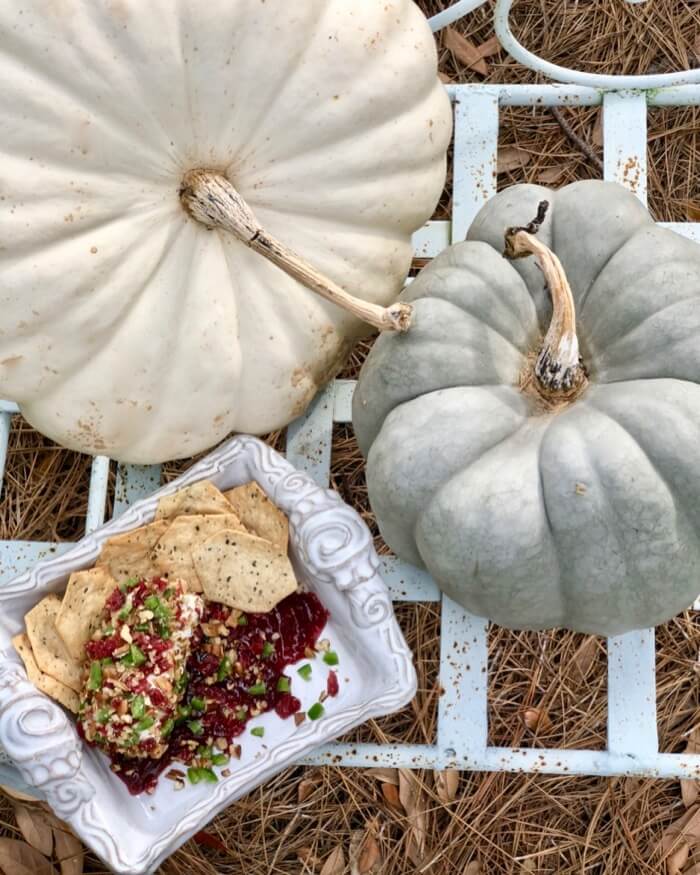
235, 671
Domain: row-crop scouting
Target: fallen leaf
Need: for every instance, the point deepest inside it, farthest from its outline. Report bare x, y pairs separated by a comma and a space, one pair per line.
597, 133
305, 789
529, 865
306, 855
551, 174
446, 784
511, 158
17, 794
465, 51
18, 858
69, 853
447, 80
207, 840
413, 800
585, 655
490, 47
472, 868
335, 862
386, 776
685, 830
536, 719
692, 212
391, 797
677, 860
35, 829
690, 790
370, 855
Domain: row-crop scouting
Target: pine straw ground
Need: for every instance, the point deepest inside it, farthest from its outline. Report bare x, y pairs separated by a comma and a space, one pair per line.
545, 689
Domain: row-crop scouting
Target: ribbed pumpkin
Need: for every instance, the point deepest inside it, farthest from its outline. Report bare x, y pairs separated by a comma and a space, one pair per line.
542, 462
130, 328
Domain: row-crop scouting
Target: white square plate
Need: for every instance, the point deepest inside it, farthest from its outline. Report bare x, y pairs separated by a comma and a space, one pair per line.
332, 552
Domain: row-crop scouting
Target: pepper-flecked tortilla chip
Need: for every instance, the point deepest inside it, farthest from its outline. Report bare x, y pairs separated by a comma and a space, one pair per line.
49, 649
173, 552
131, 554
198, 498
44, 682
259, 515
81, 608
243, 571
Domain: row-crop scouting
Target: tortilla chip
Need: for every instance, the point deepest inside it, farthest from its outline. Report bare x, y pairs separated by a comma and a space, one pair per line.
82, 606
53, 688
131, 554
259, 515
50, 653
198, 498
173, 553
243, 571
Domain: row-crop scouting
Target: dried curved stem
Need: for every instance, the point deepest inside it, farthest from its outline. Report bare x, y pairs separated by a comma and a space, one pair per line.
559, 369
211, 199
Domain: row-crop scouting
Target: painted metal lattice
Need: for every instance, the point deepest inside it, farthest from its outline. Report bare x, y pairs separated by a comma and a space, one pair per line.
632, 747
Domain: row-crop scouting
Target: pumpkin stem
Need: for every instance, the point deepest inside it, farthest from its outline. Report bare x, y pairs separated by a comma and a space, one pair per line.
559, 370
211, 199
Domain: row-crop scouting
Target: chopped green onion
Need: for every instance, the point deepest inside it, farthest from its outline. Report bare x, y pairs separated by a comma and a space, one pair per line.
258, 689
241, 714
198, 704
145, 723
124, 613
258, 731
138, 706
268, 649
243, 620
153, 603
315, 711
103, 715
195, 727
181, 682
95, 680
204, 751
331, 658
141, 627
220, 759
224, 669
197, 775
108, 630
132, 582
135, 656
305, 672
168, 727
183, 711
283, 684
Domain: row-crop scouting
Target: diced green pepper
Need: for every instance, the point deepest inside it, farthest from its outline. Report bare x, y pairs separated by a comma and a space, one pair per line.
95, 679
258, 731
331, 658
258, 689
132, 582
181, 682
124, 613
224, 669
137, 655
141, 627
198, 704
315, 711
103, 715
242, 714
305, 672
197, 775
220, 759
268, 649
283, 684
138, 706
243, 620
168, 727
145, 723
108, 630
195, 727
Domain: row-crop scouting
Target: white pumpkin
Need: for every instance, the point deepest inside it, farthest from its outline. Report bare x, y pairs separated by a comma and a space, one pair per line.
128, 327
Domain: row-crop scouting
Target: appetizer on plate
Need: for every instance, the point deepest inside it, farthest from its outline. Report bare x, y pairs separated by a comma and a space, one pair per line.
180, 636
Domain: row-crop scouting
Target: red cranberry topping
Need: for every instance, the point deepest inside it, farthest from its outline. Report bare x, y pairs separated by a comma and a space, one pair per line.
332, 686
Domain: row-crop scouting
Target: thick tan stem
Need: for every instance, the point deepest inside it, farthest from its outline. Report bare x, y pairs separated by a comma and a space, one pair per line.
559, 370
211, 199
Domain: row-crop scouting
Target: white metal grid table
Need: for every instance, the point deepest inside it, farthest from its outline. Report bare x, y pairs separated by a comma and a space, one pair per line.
462, 712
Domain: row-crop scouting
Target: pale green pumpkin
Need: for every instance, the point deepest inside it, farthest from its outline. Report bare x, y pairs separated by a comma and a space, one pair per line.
545, 505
